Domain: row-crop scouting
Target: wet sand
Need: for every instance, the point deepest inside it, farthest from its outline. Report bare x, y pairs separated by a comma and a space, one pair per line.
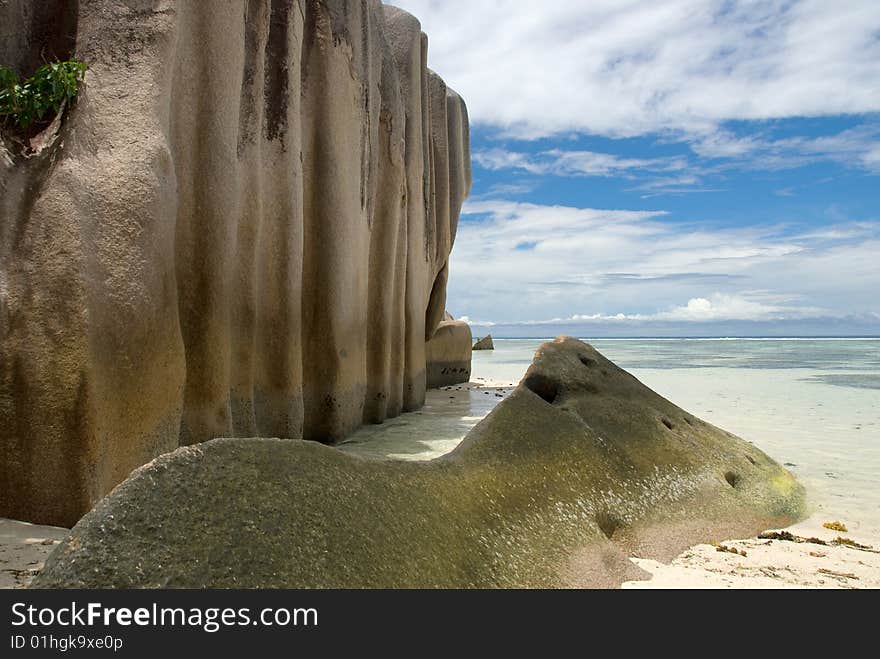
23, 550
448, 415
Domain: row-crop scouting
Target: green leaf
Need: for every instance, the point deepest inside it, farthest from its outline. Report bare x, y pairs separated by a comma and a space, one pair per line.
22, 103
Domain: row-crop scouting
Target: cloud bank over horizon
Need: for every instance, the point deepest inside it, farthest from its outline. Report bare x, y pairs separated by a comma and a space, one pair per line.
611, 265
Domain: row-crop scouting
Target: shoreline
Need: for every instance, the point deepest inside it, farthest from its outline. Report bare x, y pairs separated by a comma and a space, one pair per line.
771, 563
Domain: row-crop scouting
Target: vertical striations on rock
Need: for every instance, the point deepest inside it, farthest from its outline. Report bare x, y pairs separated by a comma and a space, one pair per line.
242, 228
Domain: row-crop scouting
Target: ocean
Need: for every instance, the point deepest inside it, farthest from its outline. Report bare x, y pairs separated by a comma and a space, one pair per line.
811, 404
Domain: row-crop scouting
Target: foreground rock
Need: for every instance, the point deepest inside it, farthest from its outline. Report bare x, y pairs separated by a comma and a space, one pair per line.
241, 228
581, 465
485, 344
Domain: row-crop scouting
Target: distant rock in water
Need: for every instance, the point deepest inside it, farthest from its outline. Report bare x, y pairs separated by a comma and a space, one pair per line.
241, 228
580, 467
485, 344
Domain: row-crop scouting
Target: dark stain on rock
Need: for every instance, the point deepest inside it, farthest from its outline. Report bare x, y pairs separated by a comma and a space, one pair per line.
247, 119
275, 91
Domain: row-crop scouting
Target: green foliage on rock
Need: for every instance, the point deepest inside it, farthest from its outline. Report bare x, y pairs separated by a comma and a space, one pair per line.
40, 96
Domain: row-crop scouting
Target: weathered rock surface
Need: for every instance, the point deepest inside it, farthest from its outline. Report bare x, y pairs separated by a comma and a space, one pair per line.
580, 466
485, 344
448, 354
241, 229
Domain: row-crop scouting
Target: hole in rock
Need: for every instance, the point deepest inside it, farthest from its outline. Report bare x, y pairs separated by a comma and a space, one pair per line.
543, 387
731, 478
608, 524
751, 459
586, 361
668, 423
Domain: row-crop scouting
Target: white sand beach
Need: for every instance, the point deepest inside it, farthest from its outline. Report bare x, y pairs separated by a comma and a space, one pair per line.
769, 563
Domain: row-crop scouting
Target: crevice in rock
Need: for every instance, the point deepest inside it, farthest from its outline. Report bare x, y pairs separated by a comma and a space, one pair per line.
586, 361
544, 387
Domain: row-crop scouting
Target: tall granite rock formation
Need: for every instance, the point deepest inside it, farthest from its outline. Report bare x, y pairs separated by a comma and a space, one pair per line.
241, 228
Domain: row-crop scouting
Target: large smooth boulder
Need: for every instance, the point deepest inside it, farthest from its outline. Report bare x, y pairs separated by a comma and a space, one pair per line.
579, 467
448, 354
241, 228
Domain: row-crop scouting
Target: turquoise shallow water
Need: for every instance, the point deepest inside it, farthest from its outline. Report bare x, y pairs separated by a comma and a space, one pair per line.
855, 359
813, 404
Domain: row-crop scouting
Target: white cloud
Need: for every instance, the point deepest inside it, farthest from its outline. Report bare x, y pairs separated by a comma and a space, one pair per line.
735, 307
723, 144
560, 162
658, 176
714, 156
718, 307
513, 259
853, 148
871, 157
511, 189
627, 67
658, 186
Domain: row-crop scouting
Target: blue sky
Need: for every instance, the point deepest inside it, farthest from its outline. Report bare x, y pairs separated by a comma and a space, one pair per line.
666, 168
